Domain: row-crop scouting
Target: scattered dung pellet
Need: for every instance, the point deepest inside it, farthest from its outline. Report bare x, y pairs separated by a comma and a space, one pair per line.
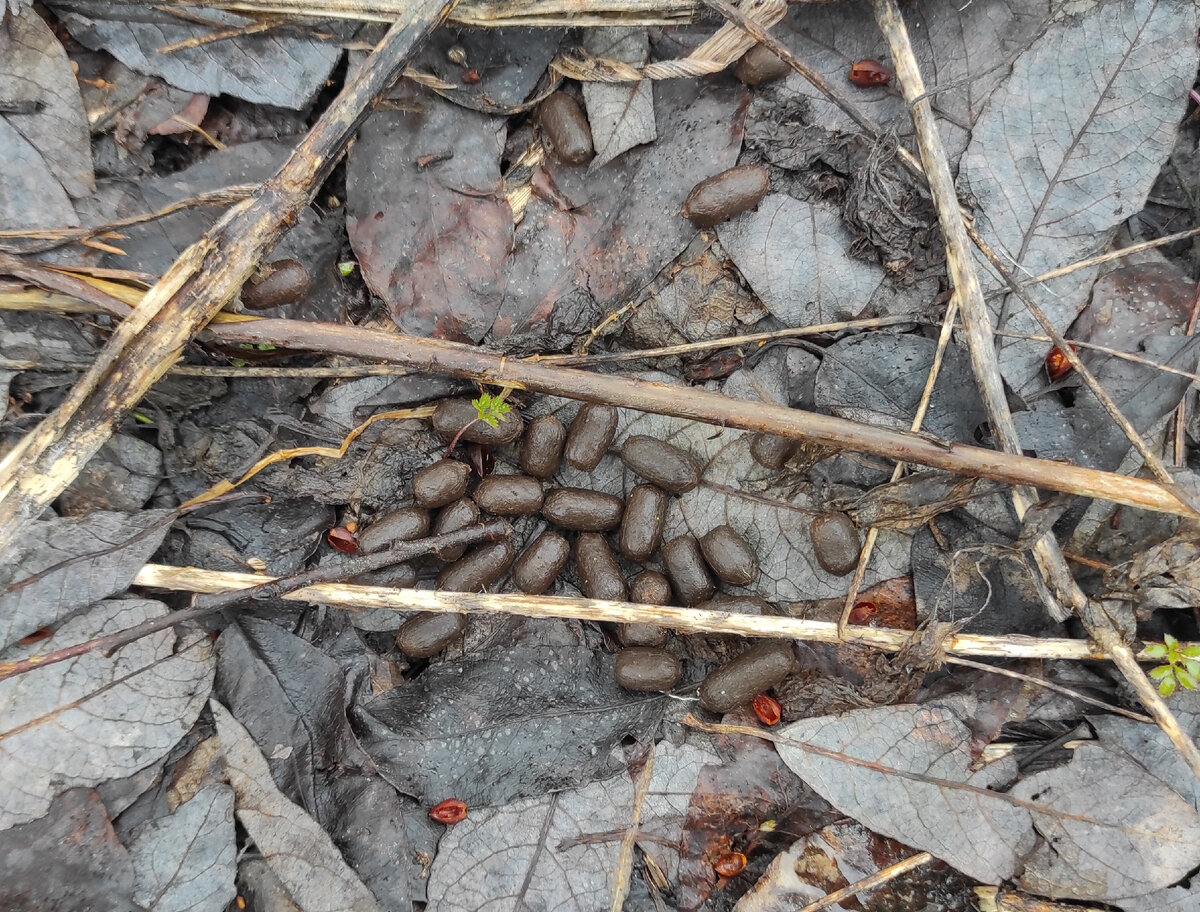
455, 516
441, 483
543, 446
730, 557
736, 683
405, 524
758, 66
480, 567
591, 435
452, 415
642, 525
770, 451
538, 567
509, 495
686, 570
283, 282
582, 510
600, 575
835, 543
661, 463
397, 576
725, 195
426, 634
646, 670
641, 634
650, 588
566, 127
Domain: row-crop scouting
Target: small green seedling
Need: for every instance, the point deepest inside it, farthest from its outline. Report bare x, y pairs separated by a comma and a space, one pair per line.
490, 409
347, 268
1182, 668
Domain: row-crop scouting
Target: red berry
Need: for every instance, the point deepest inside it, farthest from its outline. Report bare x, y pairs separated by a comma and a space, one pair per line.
343, 539
731, 864
1057, 365
767, 709
862, 612
868, 73
449, 811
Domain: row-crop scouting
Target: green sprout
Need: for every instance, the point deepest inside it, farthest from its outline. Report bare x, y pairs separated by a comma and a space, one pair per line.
1182, 667
490, 409
347, 268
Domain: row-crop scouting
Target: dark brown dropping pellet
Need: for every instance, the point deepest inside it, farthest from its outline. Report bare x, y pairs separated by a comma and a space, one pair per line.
536, 570
482, 566
666, 466
441, 483
759, 66
452, 415
641, 634
642, 525
725, 195
397, 576
455, 516
591, 435
566, 127
428, 633
283, 282
771, 451
835, 543
687, 571
646, 670
736, 683
509, 495
738, 604
582, 510
543, 446
405, 524
650, 588
600, 575
729, 556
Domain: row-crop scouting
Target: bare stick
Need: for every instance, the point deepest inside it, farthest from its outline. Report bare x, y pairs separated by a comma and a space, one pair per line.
197, 285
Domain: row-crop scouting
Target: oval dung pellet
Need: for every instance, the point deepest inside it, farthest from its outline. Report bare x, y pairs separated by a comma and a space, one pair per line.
725, 195
509, 495
455, 516
441, 483
566, 127
736, 683
646, 670
397, 576
405, 524
642, 525
687, 571
730, 557
640, 633
284, 282
650, 588
482, 566
600, 575
835, 543
771, 451
428, 633
591, 435
582, 510
538, 567
452, 415
661, 463
758, 66
542, 448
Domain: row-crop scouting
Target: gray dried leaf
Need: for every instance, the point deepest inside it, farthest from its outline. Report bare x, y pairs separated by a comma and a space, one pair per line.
1068, 147
1166, 575
981, 835
272, 68
621, 114
300, 853
1138, 835
45, 143
535, 854
185, 862
93, 718
76, 562
908, 504
795, 256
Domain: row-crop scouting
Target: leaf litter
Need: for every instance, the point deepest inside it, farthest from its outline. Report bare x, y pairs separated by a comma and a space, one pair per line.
335, 744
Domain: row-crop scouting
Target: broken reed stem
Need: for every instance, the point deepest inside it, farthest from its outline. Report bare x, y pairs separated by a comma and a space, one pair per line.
685, 620
466, 361
196, 286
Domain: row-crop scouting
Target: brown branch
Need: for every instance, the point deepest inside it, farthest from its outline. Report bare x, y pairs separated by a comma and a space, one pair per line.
198, 284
